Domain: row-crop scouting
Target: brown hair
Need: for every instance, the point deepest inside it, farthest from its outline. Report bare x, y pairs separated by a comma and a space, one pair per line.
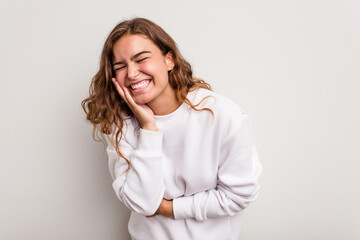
104, 105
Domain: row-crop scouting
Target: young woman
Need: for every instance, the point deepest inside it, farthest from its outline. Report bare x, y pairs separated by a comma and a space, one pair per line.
182, 157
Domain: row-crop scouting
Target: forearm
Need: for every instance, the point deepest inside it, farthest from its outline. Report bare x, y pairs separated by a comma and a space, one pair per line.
214, 203
141, 191
141, 188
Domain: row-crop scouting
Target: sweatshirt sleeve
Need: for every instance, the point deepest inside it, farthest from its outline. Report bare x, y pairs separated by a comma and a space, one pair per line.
237, 180
141, 189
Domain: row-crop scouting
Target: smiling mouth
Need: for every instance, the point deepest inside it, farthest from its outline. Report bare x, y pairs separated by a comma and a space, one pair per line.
140, 85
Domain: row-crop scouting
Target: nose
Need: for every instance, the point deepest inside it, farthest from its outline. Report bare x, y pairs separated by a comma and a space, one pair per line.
132, 71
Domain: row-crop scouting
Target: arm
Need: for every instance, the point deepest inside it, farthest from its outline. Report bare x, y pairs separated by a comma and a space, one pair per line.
238, 173
141, 189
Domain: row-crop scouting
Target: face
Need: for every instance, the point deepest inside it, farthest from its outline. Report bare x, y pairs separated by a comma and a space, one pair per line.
141, 68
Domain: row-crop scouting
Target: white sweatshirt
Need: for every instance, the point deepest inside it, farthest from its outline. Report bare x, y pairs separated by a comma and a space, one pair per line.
208, 165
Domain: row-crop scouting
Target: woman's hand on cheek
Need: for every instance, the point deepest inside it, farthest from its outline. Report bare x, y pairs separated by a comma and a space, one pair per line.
142, 112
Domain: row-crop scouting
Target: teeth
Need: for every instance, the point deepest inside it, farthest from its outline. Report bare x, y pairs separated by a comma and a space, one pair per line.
141, 84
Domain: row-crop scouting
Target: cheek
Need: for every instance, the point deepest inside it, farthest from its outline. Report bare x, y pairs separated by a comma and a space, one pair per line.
120, 81
147, 68
152, 67
120, 78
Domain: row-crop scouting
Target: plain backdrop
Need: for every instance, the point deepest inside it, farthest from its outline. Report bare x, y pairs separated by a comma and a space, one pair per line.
292, 65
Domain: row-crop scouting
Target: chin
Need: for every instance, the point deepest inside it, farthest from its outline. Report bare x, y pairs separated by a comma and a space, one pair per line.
142, 100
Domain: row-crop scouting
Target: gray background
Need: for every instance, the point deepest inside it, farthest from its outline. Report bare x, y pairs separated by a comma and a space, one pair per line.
293, 65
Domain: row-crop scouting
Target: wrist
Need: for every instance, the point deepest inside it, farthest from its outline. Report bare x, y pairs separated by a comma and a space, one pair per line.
149, 127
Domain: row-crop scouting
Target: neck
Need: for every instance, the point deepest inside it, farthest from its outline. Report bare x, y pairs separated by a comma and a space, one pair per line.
165, 104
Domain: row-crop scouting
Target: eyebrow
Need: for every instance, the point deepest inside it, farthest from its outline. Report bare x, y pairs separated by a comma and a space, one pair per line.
133, 57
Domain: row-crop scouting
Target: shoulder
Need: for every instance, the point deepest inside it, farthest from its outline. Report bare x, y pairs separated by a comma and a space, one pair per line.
218, 103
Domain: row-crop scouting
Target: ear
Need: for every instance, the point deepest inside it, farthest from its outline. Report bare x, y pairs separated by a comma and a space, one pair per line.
169, 60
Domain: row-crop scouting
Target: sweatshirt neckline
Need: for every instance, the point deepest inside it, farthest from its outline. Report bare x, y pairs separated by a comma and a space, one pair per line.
180, 109
173, 113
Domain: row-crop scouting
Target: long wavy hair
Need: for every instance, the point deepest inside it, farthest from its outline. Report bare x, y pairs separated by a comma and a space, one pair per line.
104, 106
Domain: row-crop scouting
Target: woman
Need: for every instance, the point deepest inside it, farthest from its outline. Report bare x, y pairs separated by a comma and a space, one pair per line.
182, 157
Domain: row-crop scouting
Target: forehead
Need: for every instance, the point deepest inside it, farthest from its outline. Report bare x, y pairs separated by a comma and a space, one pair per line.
129, 45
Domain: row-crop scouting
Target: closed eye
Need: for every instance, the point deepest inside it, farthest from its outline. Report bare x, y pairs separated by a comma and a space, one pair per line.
139, 61
119, 68
142, 60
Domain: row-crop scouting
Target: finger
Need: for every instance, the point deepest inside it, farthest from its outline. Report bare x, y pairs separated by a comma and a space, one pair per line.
130, 99
120, 90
